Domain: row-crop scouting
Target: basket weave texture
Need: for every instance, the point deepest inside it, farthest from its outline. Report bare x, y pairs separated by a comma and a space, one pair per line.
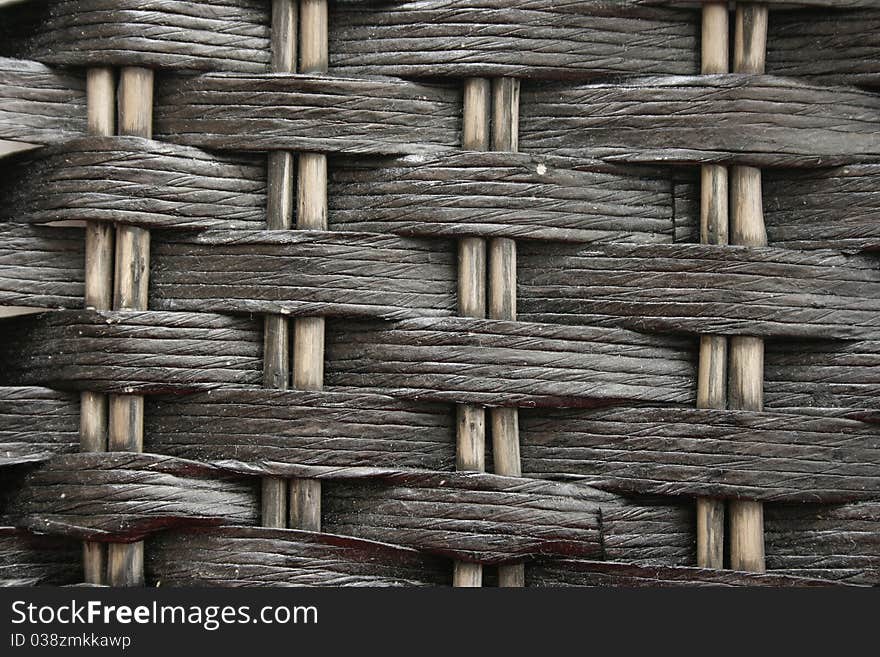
440, 292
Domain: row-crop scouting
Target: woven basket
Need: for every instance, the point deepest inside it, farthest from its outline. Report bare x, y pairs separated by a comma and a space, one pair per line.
502, 292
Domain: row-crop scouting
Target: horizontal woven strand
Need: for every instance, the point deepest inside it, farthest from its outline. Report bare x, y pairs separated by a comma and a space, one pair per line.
222, 35
123, 497
578, 572
39, 105
650, 532
502, 195
834, 208
269, 429
258, 556
510, 363
446, 360
834, 47
306, 112
775, 456
32, 560
822, 374
535, 39
36, 423
305, 273
41, 267
133, 181
762, 121
834, 542
127, 352
708, 453
470, 517
701, 289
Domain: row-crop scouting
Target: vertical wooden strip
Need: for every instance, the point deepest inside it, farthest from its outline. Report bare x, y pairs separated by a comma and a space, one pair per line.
279, 216
470, 452
502, 301
308, 338
746, 390
712, 371
125, 562
99, 238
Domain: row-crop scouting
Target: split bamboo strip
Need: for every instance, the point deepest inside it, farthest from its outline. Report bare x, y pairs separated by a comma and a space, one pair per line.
711, 392
746, 352
502, 301
471, 426
125, 562
279, 216
101, 98
308, 339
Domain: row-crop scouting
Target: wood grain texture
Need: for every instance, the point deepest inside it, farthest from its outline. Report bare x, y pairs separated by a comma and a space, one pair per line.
733, 454
702, 289
839, 47
39, 105
309, 113
122, 497
36, 423
305, 273
31, 560
832, 542
250, 556
510, 363
577, 572
828, 208
822, 374
134, 181
537, 39
214, 35
470, 516
650, 531
502, 195
756, 120
41, 267
130, 352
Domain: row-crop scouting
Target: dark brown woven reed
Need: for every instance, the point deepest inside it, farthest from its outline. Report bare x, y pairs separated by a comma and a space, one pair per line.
440, 292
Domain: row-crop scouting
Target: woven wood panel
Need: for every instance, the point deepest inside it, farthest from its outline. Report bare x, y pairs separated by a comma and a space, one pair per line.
436, 301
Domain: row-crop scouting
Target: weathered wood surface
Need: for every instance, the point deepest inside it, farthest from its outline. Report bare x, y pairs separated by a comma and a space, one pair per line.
252, 556
833, 542
305, 273
221, 35
133, 181
538, 39
32, 560
578, 572
443, 359
122, 497
313, 113
755, 120
702, 289
836, 208
470, 516
39, 105
502, 195
510, 363
41, 267
36, 423
773, 456
822, 374
840, 47
650, 531
130, 352
333, 429
714, 453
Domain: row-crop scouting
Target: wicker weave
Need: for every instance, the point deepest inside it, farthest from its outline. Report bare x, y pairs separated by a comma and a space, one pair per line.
492, 345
